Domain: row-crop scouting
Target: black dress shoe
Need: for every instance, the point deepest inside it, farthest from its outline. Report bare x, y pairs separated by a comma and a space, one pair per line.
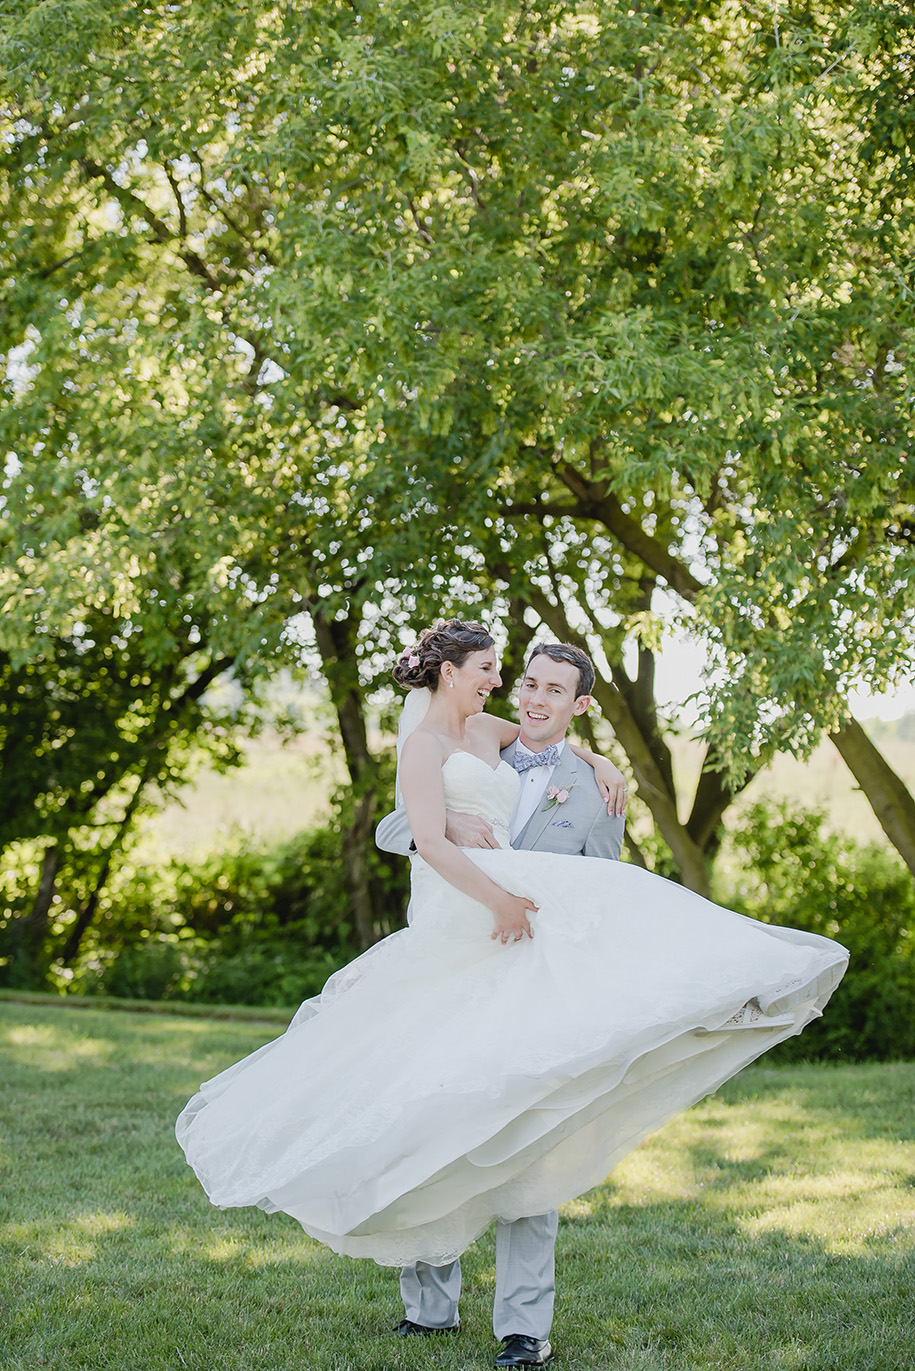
520, 1350
408, 1329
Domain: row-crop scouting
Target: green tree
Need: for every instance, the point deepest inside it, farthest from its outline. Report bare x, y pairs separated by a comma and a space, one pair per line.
109, 646
369, 310
621, 273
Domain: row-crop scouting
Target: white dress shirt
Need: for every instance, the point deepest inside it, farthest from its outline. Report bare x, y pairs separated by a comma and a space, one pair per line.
534, 784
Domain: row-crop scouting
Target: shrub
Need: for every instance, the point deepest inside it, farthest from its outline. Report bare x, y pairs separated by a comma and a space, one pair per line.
150, 970
796, 874
261, 975
256, 925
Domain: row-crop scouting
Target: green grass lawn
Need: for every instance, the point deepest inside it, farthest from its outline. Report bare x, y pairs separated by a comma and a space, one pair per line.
770, 1228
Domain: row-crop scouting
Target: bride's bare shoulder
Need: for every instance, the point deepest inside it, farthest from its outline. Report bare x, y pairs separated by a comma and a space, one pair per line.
489, 729
424, 743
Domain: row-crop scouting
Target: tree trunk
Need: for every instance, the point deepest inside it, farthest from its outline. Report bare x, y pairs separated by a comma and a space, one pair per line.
28, 934
689, 856
87, 913
636, 855
36, 924
714, 793
336, 643
650, 772
359, 837
886, 792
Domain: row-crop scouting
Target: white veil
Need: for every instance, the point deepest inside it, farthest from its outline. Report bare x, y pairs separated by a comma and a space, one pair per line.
411, 716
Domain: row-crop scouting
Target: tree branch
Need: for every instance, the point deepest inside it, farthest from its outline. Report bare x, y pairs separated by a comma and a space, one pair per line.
420, 226
179, 199
472, 178
136, 205
651, 782
262, 252
595, 502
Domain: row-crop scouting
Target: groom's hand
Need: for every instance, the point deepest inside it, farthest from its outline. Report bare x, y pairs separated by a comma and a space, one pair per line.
468, 830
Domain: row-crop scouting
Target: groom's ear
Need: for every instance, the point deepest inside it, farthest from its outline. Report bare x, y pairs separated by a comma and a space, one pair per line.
581, 704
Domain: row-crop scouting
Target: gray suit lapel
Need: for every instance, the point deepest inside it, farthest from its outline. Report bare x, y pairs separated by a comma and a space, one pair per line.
564, 777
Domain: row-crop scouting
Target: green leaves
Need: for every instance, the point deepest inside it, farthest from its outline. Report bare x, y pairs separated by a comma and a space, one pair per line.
396, 308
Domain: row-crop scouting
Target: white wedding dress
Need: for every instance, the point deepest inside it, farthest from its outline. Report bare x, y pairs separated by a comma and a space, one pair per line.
442, 1080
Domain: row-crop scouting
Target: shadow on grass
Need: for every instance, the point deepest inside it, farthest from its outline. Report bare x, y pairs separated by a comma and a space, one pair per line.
666, 1286
698, 1255
682, 1286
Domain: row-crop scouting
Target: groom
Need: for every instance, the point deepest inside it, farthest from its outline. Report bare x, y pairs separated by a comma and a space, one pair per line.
559, 809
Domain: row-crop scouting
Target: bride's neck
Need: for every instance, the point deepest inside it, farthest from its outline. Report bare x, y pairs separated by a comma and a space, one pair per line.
447, 717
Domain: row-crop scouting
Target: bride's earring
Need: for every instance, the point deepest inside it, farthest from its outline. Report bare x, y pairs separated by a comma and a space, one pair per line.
451, 683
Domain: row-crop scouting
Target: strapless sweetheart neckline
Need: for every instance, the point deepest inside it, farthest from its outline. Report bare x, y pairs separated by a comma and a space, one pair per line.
462, 752
487, 791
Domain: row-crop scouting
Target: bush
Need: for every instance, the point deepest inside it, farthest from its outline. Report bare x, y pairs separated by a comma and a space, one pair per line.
151, 970
260, 976
795, 874
255, 925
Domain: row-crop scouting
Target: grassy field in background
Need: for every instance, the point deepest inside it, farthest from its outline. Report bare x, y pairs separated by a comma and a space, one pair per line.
772, 1228
822, 782
285, 788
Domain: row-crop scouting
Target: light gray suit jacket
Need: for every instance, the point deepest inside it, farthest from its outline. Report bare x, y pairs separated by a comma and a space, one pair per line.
579, 827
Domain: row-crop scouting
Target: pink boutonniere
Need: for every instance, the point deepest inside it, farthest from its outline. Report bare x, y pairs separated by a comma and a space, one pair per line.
555, 796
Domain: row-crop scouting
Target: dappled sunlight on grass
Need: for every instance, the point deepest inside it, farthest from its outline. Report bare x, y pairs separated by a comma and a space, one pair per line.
782, 1161
271, 1255
772, 1226
44, 1047
224, 1248
649, 1174
581, 1208
68, 1240
284, 1244
845, 1211
229, 1247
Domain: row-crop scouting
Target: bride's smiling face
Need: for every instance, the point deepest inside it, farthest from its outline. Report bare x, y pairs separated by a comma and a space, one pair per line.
474, 679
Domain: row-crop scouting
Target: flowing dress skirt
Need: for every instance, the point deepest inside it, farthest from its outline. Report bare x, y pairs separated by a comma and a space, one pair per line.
442, 1080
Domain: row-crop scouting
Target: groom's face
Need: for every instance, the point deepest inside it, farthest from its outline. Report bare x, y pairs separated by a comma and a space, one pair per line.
548, 700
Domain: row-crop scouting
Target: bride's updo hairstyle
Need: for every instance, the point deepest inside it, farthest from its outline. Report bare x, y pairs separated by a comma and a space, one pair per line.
449, 640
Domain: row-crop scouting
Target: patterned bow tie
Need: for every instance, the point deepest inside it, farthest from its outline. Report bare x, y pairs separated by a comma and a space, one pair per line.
523, 761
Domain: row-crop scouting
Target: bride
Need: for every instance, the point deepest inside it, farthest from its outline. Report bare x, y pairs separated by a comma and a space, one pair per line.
540, 1015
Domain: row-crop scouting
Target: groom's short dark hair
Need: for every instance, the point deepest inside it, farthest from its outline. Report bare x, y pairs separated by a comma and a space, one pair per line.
567, 652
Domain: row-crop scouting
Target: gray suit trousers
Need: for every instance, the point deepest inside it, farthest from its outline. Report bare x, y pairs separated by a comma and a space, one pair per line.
525, 1282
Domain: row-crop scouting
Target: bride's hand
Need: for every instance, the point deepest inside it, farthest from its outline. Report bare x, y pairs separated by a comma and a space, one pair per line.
612, 785
510, 914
